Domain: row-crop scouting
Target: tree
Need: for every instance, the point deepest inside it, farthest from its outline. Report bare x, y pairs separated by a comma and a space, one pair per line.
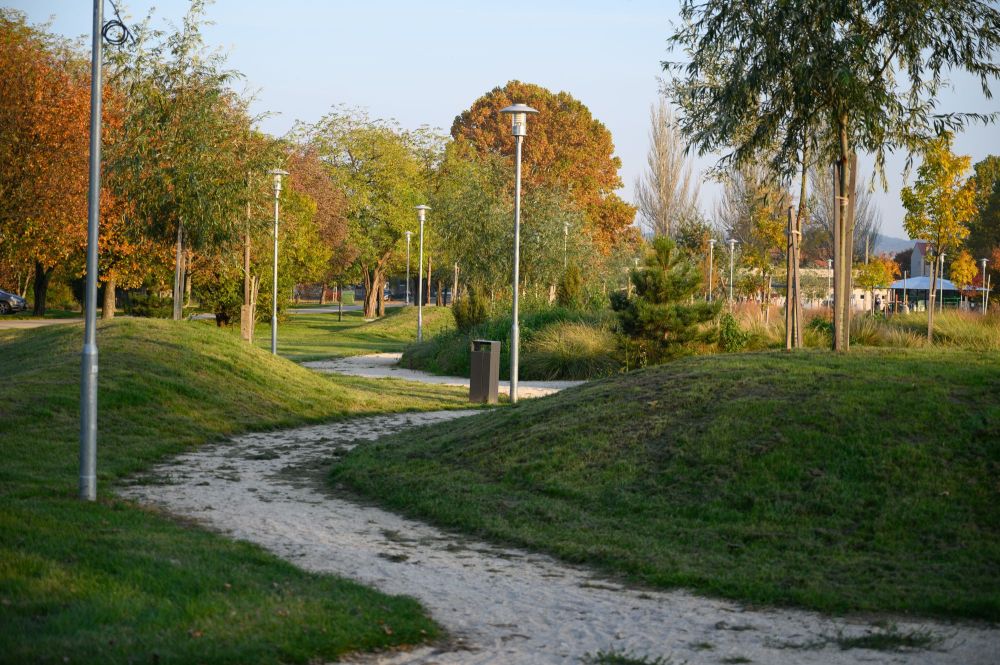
818, 237
665, 194
753, 210
566, 149
662, 310
877, 273
44, 116
984, 229
187, 143
384, 171
828, 78
939, 207
903, 260
964, 271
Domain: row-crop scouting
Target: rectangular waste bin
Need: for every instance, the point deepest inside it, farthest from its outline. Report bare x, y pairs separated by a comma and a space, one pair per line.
484, 371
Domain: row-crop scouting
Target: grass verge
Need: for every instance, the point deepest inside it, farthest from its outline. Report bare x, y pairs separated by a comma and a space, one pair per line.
859, 482
108, 582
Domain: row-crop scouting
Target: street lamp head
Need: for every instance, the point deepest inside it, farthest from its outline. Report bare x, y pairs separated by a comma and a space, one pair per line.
519, 117
711, 241
408, 234
422, 212
277, 173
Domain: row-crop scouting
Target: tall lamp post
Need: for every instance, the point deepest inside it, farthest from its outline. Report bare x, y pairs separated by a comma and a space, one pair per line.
277, 173
421, 215
519, 128
408, 234
941, 285
983, 261
88, 369
711, 257
565, 245
829, 277
732, 252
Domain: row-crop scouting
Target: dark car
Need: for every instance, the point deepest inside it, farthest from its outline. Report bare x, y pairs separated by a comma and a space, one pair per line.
11, 302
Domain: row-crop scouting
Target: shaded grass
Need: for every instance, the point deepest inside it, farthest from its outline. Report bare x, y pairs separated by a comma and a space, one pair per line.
836, 482
110, 582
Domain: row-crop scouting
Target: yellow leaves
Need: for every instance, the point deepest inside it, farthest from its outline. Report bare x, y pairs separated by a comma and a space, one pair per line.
963, 270
941, 203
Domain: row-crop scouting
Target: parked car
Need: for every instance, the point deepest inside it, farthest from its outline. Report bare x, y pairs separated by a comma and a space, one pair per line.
11, 302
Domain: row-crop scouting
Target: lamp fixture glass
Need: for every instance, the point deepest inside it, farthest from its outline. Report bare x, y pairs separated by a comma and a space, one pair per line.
519, 117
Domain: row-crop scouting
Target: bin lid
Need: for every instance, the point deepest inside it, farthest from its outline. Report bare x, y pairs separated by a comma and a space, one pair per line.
483, 342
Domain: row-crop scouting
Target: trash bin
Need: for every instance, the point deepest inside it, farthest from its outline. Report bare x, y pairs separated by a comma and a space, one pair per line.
484, 371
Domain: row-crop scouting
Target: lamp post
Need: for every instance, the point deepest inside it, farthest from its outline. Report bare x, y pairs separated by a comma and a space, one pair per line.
408, 234
983, 262
519, 128
88, 368
277, 173
711, 256
941, 285
421, 215
732, 252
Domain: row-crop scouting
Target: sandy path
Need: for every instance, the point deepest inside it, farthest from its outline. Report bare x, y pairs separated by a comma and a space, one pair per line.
500, 605
385, 365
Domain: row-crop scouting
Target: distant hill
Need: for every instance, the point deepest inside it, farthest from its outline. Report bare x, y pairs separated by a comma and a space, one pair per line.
890, 245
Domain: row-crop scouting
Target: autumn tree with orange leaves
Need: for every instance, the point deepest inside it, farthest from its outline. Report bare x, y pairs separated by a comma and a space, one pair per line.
44, 115
566, 148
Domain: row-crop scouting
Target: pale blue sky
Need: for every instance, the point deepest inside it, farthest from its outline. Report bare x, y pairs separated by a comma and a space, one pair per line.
424, 62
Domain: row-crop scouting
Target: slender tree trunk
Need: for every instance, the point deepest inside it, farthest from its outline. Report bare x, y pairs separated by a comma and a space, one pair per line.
370, 293
429, 273
188, 261
340, 302
380, 299
454, 286
179, 274
930, 301
108, 310
42, 277
440, 294
789, 285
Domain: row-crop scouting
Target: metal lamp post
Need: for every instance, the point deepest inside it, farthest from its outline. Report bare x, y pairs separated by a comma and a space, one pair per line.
565, 245
732, 252
88, 369
829, 278
408, 234
983, 262
519, 128
277, 173
711, 257
421, 215
941, 285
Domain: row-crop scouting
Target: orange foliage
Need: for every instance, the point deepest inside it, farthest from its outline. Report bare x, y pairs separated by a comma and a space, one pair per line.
565, 147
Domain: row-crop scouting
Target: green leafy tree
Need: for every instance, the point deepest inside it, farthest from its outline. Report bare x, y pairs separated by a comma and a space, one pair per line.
939, 207
984, 228
877, 273
662, 310
787, 79
571, 288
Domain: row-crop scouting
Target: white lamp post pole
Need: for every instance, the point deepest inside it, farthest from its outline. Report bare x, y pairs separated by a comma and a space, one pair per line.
983, 261
941, 285
277, 173
565, 245
421, 215
408, 234
519, 116
711, 257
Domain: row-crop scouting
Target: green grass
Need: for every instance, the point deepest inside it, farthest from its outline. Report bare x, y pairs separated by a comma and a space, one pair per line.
109, 582
316, 336
859, 482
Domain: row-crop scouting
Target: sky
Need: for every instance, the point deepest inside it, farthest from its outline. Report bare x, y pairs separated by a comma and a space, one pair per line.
423, 63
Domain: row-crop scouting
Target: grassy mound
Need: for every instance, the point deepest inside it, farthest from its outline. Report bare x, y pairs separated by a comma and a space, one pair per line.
840, 483
556, 343
109, 582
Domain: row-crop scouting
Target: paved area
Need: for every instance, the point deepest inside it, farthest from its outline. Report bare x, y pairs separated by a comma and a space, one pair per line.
499, 605
386, 365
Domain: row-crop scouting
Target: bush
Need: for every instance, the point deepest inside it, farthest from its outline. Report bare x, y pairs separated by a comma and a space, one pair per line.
150, 306
570, 290
571, 351
732, 337
470, 311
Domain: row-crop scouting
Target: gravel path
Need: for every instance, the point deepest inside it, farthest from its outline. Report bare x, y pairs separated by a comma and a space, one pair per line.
386, 365
500, 605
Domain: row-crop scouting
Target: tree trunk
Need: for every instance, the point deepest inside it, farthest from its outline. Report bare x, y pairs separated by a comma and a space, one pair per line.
789, 285
429, 273
340, 302
188, 260
108, 310
930, 301
322, 293
42, 277
371, 294
439, 302
179, 274
380, 300
454, 286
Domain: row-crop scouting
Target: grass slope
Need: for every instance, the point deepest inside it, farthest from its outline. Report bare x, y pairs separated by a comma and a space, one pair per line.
315, 336
109, 582
865, 481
